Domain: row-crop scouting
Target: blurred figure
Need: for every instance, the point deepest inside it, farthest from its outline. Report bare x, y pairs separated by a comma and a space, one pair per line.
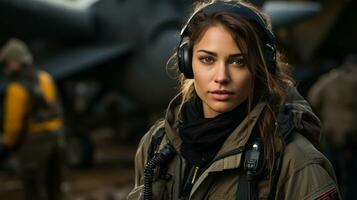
31, 122
334, 98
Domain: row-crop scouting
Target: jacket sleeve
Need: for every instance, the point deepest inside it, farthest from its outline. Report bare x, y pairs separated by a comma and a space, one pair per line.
140, 161
311, 182
305, 173
15, 109
48, 87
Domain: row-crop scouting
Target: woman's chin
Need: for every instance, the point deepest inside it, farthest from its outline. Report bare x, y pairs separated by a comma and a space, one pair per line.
222, 107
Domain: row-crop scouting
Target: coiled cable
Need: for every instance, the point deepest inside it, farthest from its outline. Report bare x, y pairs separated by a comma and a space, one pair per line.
159, 158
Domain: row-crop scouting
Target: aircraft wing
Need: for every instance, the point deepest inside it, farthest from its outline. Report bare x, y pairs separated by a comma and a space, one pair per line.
287, 13
39, 19
80, 59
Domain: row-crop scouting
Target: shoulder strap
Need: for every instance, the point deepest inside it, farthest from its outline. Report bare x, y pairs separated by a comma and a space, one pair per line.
41, 110
247, 186
155, 142
286, 128
276, 173
153, 151
252, 168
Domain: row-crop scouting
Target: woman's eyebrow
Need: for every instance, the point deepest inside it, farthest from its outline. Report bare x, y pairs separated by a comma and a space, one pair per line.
215, 54
236, 55
207, 52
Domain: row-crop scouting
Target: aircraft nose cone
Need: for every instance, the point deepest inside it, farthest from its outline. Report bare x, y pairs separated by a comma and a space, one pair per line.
148, 79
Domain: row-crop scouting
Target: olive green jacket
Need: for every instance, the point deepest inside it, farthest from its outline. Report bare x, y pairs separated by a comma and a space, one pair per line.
305, 172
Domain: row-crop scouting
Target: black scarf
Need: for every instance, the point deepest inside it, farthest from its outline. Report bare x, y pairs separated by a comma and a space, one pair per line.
203, 137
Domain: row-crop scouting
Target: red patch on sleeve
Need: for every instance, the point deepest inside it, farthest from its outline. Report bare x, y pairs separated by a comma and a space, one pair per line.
329, 195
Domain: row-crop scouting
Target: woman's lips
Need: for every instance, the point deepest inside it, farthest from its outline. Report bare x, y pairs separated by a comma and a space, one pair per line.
221, 95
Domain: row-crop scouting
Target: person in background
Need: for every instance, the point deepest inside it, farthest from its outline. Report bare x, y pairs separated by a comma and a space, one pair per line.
31, 122
334, 98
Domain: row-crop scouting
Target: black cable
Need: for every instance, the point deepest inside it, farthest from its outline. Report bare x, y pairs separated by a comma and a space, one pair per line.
159, 158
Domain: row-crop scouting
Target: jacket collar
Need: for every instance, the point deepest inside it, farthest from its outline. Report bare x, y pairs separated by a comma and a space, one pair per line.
230, 154
237, 139
296, 115
301, 119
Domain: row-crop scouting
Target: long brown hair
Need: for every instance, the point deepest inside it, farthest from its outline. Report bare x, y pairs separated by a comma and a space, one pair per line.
268, 87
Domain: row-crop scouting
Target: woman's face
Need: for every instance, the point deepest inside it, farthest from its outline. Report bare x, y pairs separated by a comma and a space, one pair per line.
221, 78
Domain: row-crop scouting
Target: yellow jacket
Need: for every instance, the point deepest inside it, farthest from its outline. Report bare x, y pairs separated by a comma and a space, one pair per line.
17, 104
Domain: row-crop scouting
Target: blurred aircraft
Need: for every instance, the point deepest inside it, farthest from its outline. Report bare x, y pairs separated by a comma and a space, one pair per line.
109, 56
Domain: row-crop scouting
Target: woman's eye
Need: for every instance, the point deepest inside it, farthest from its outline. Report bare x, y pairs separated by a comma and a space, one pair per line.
206, 60
237, 61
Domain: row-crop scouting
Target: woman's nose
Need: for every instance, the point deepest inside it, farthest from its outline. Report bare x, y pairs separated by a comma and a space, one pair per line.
222, 74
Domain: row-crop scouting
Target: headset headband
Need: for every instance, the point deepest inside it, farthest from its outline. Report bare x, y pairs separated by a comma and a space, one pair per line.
236, 9
184, 51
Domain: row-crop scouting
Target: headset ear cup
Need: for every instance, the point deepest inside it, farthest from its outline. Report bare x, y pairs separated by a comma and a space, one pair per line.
185, 59
270, 58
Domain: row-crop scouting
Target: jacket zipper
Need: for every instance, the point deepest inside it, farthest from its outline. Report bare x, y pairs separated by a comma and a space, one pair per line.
195, 171
191, 179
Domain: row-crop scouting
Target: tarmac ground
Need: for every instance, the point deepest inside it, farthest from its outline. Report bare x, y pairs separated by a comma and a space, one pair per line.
110, 178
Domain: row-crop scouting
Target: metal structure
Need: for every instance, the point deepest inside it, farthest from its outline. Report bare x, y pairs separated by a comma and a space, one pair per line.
109, 56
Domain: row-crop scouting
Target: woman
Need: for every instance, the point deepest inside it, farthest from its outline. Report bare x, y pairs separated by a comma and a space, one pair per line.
238, 129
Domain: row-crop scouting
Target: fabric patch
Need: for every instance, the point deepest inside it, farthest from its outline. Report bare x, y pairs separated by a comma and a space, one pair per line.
329, 195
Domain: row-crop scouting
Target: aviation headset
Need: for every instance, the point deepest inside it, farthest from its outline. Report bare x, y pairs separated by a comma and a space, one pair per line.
184, 51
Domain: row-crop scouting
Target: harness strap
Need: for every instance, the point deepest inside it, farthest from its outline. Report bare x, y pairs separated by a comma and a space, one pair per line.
247, 186
286, 128
155, 142
246, 189
276, 172
252, 166
40, 109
